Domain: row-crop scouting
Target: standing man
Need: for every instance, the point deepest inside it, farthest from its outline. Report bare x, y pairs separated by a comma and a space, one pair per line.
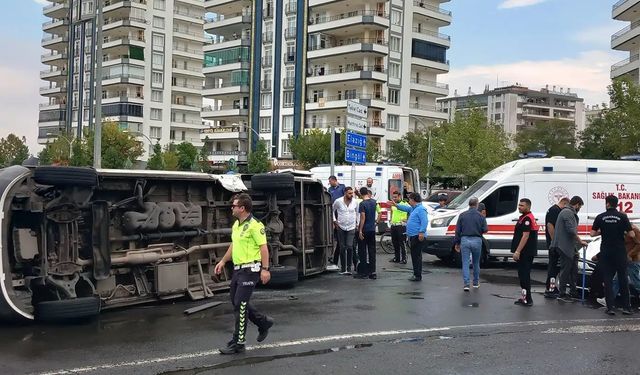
613, 226
416, 231
524, 247
250, 256
553, 267
345, 215
566, 241
371, 188
367, 235
469, 230
337, 191
398, 229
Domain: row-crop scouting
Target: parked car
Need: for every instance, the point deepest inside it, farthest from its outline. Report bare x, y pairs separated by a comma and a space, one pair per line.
75, 241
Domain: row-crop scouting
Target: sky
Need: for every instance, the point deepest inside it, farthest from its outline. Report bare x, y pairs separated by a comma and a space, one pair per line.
565, 43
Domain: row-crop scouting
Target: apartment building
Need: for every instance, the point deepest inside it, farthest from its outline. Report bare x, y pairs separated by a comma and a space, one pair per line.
151, 68
516, 107
627, 39
274, 69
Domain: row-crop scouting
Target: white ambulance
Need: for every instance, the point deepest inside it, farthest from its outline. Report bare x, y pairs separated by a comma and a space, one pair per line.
544, 182
386, 179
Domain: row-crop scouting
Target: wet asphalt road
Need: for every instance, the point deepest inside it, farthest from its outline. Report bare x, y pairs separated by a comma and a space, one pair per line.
334, 324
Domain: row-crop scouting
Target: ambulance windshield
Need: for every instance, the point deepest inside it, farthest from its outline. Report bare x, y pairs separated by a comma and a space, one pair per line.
476, 190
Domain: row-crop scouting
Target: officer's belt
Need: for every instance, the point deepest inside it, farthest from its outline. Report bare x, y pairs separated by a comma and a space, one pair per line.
246, 265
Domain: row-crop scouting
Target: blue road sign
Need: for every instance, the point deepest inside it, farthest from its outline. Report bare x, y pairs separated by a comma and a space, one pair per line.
356, 140
352, 155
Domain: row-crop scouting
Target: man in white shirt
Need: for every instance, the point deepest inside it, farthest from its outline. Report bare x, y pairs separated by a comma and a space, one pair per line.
372, 188
345, 219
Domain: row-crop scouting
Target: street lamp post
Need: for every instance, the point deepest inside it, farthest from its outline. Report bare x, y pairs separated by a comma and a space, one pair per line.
429, 150
66, 139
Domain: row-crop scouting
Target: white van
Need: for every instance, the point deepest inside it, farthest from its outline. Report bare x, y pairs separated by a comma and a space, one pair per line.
544, 182
386, 180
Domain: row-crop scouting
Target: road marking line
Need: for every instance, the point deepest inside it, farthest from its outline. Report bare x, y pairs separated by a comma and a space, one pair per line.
595, 329
323, 339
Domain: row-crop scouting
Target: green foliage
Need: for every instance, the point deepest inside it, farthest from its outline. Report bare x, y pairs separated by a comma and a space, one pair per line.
556, 138
13, 150
617, 132
258, 161
187, 154
314, 148
412, 150
117, 146
170, 158
80, 156
156, 161
203, 162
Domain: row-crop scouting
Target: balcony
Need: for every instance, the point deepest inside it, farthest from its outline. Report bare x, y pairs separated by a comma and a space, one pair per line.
377, 128
111, 5
188, 16
361, 19
114, 23
53, 74
187, 71
53, 89
290, 33
217, 45
627, 38
224, 132
188, 52
291, 7
214, 25
221, 157
188, 124
117, 97
625, 10
348, 46
436, 66
440, 17
197, 3
340, 101
220, 6
224, 112
432, 36
288, 83
56, 10
428, 111
55, 42
625, 66
218, 66
267, 61
289, 57
226, 88
431, 87
54, 57
123, 78
184, 105
190, 35
354, 73
56, 26
113, 42
188, 88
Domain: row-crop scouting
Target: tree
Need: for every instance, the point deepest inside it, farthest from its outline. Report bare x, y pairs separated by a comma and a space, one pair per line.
156, 161
258, 161
203, 161
617, 131
412, 150
80, 156
314, 148
170, 158
469, 146
556, 138
13, 150
117, 146
45, 156
187, 154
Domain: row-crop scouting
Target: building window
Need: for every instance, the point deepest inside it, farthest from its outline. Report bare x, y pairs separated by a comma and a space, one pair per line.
157, 79
158, 22
498, 105
265, 124
158, 60
287, 123
159, 4
396, 17
394, 70
286, 150
498, 116
265, 100
156, 96
394, 96
158, 42
395, 44
156, 114
183, 135
172, 134
393, 122
155, 132
288, 98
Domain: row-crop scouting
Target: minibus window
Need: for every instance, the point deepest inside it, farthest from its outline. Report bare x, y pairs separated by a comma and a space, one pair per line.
394, 185
476, 190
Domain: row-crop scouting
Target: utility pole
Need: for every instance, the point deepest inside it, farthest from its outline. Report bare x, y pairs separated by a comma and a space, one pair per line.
333, 151
97, 134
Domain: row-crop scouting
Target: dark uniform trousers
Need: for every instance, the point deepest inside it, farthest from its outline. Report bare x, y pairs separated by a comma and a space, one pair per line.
553, 268
417, 247
524, 273
610, 265
398, 240
243, 282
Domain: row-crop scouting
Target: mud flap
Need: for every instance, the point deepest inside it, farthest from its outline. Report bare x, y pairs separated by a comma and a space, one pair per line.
100, 241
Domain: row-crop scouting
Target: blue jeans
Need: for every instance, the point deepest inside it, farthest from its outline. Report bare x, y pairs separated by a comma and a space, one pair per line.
471, 246
633, 270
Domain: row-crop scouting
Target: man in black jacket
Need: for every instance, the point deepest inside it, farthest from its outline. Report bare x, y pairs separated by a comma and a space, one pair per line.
553, 268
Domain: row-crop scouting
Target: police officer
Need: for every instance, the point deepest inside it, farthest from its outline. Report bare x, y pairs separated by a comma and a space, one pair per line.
524, 247
398, 229
250, 256
613, 226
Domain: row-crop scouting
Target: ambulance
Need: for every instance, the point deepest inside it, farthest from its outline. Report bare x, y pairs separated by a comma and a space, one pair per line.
387, 178
544, 182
